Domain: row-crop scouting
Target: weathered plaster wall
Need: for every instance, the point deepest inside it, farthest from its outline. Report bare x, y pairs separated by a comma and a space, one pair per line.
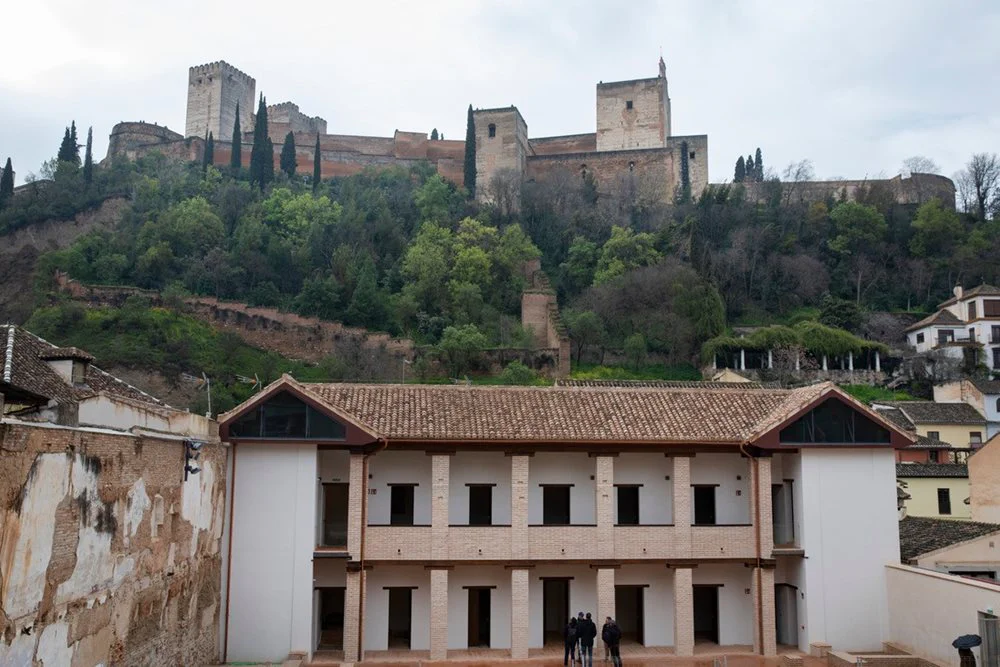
631, 114
107, 556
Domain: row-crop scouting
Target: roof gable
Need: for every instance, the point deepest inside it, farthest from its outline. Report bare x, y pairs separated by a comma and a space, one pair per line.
920, 536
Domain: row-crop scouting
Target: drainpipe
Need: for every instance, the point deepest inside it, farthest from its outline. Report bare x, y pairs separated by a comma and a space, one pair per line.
757, 546
382, 444
229, 564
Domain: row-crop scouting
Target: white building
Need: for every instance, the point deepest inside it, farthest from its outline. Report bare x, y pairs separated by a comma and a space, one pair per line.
969, 320
432, 519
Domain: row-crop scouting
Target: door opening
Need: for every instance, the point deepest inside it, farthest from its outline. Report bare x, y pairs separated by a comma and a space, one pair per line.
786, 614
480, 504
555, 505
704, 505
555, 604
479, 617
331, 619
706, 613
401, 504
629, 607
335, 515
400, 616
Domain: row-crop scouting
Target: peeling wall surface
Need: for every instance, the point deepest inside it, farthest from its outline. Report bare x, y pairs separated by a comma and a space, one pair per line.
107, 555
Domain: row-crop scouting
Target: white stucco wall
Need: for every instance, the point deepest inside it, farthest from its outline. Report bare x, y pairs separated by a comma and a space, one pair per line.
735, 603
656, 496
563, 468
849, 533
458, 605
479, 468
377, 606
582, 595
392, 467
981, 554
927, 610
732, 498
657, 601
274, 495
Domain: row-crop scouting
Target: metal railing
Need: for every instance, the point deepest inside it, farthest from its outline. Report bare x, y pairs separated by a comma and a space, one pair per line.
335, 534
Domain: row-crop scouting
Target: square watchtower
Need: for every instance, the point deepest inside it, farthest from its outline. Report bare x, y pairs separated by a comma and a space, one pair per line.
214, 90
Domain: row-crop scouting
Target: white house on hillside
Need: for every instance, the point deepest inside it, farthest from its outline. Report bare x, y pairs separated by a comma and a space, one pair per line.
968, 320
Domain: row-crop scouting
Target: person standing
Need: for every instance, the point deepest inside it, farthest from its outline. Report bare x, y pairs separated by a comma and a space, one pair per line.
570, 637
612, 636
587, 633
604, 638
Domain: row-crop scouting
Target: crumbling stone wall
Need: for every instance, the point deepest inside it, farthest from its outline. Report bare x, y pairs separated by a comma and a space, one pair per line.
107, 555
540, 314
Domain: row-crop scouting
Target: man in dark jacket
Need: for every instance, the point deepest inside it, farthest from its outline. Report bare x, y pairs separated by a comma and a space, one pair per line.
570, 636
611, 634
587, 631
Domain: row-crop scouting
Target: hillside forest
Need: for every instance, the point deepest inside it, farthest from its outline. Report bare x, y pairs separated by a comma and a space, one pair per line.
407, 252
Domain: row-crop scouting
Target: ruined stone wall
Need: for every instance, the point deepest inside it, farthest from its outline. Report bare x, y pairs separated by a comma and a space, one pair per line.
644, 125
128, 139
107, 556
286, 117
214, 89
540, 314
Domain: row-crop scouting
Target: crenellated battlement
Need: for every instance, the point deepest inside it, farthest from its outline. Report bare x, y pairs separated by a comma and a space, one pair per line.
220, 66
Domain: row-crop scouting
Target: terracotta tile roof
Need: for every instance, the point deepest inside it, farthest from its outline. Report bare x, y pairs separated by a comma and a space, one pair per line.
668, 384
949, 470
941, 317
986, 386
929, 412
456, 413
896, 416
920, 535
923, 442
25, 371
979, 290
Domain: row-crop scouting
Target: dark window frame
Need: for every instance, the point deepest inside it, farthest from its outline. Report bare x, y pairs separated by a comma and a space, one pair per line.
920, 339
479, 513
628, 490
492, 130
944, 501
548, 511
402, 516
628, 105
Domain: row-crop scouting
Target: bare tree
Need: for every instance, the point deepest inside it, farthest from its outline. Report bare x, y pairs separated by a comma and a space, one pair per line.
793, 175
919, 164
979, 184
504, 191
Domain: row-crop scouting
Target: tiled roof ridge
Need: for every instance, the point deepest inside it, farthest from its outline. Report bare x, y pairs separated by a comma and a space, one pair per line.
551, 388
8, 362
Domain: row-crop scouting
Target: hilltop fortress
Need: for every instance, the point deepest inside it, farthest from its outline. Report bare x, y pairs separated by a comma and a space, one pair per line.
632, 149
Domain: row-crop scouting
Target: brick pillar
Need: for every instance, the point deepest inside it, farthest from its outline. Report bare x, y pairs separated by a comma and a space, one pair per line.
681, 477
439, 613
440, 480
767, 602
520, 619
760, 479
605, 491
355, 501
519, 506
683, 611
352, 611
605, 599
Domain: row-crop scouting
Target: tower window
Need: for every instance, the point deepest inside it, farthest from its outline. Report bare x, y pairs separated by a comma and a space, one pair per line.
631, 166
691, 155
493, 130
628, 105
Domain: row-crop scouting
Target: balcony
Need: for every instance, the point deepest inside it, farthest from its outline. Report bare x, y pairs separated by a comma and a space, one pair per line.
398, 543
479, 542
555, 542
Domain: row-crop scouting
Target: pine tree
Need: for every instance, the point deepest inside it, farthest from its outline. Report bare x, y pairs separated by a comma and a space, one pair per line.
741, 170
758, 167
88, 158
236, 158
365, 308
750, 168
262, 151
470, 154
434, 134
316, 170
209, 157
6, 183
288, 155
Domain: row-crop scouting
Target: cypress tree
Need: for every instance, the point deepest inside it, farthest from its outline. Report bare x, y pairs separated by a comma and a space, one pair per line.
685, 186
434, 134
316, 170
267, 162
288, 155
209, 157
236, 158
68, 150
262, 151
6, 183
470, 154
88, 158
741, 170
74, 143
758, 167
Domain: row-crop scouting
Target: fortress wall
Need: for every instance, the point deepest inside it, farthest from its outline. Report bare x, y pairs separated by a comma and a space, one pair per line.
411, 145
286, 117
915, 189
446, 149
652, 167
642, 126
127, 137
570, 143
697, 165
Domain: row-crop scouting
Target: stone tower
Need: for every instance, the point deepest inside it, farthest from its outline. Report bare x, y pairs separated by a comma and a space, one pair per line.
501, 146
213, 93
633, 114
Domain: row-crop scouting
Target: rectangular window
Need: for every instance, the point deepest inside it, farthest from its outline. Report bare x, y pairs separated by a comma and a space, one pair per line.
991, 308
628, 105
975, 438
493, 130
934, 435
995, 334
944, 501
704, 505
920, 339
555, 505
945, 335
933, 456
972, 310
401, 505
628, 505
480, 504
996, 358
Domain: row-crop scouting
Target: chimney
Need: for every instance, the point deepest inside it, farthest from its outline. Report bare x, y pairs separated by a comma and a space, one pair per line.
70, 363
957, 291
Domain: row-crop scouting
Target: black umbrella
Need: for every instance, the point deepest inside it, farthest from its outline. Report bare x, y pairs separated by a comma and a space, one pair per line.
967, 641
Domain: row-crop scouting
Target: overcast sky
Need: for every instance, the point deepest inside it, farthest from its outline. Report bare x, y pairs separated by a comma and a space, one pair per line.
855, 87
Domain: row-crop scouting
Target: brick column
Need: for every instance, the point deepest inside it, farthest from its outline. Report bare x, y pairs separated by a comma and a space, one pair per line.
681, 477
767, 602
519, 506
683, 611
605, 599
760, 479
440, 480
355, 501
439, 613
352, 612
520, 618
605, 492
